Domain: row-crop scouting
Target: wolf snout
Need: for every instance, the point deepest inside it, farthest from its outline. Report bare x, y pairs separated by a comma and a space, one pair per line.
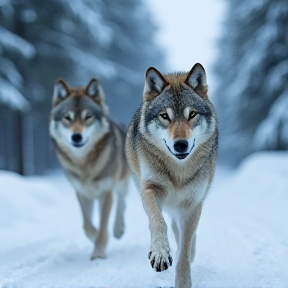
77, 140
181, 146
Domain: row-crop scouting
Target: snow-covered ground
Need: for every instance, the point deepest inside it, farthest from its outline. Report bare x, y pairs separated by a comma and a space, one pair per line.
242, 237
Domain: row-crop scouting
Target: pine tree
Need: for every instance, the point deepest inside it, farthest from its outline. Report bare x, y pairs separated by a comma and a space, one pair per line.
131, 51
75, 40
13, 48
252, 71
58, 40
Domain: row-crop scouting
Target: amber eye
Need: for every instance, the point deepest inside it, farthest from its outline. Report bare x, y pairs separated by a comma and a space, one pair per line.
67, 117
192, 114
165, 116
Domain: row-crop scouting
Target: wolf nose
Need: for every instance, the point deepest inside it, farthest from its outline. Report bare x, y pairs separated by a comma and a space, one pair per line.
76, 138
181, 146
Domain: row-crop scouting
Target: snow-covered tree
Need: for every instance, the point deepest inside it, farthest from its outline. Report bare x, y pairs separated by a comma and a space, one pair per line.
252, 71
12, 47
132, 51
76, 40
41, 42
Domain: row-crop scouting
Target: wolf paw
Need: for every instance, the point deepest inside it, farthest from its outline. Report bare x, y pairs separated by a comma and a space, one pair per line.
98, 253
160, 260
119, 230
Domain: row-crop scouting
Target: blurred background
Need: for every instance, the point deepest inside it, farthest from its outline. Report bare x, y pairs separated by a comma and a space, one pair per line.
242, 44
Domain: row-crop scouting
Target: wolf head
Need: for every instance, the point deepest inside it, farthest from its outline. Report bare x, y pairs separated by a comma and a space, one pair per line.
177, 115
79, 114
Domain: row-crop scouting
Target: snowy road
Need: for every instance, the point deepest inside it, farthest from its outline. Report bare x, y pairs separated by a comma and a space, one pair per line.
242, 237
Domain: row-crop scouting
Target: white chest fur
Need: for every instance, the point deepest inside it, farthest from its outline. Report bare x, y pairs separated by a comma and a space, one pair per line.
188, 196
93, 189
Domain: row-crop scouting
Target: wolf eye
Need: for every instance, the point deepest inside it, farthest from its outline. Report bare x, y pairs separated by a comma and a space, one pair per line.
165, 116
192, 114
88, 116
67, 117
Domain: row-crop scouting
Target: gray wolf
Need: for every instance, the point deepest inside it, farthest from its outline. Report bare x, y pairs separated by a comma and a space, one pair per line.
90, 148
171, 147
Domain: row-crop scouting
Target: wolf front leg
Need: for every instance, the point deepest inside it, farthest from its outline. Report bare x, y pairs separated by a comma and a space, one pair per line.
187, 225
159, 256
105, 203
119, 224
86, 206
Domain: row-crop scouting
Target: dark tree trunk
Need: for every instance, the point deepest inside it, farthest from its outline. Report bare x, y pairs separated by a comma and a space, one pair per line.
21, 124
11, 150
18, 145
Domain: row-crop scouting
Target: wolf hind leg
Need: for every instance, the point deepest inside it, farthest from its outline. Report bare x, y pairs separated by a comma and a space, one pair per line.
175, 230
87, 206
105, 203
119, 224
193, 248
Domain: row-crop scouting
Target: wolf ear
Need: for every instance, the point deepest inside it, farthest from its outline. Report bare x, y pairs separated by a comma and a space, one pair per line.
61, 91
154, 83
197, 80
94, 90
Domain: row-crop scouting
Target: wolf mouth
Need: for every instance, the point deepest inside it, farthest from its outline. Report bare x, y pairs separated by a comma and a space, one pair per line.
180, 156
79, 145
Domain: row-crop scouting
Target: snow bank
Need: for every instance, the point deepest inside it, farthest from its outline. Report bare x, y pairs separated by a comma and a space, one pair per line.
242, 237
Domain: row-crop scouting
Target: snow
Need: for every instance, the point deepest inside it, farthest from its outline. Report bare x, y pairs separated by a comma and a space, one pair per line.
14, 42
242, 237
275, 124
93, 20
11, 96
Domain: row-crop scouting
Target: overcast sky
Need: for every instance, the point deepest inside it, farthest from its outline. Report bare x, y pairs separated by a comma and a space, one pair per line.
188, 30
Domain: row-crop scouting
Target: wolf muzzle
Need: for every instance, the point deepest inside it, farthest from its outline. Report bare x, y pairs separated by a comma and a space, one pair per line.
77, 140
180, 147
